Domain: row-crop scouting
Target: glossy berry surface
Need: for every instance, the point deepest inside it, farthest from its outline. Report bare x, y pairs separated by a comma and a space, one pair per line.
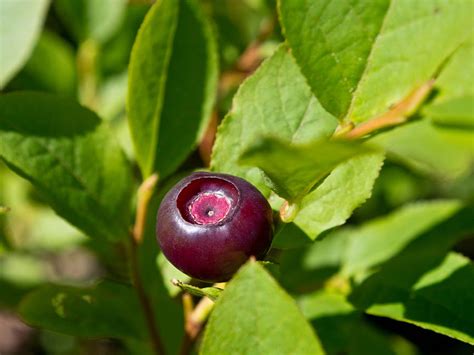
209, 224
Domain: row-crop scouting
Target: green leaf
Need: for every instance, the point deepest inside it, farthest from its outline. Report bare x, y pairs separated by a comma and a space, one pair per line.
295, 169
172, 83
105, 310
440, 299
333, 201
384, 237
4, 209
51, 67
361, 57
275, 101
20, 25
341, 327
70, 157
425, 286
429, 149
91, 19
458, 112
259, 318
212, 292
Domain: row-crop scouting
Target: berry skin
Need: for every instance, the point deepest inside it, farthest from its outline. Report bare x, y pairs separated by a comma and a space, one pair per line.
209, 224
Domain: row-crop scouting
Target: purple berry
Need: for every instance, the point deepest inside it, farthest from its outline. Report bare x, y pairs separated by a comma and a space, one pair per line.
209, 224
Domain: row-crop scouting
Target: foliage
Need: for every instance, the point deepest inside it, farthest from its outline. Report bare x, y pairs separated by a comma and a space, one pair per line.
353, 117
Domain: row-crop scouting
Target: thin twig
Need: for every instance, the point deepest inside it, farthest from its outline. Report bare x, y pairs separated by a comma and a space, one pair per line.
397, 115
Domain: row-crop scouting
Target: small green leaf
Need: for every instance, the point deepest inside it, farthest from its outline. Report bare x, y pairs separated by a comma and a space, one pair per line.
20, 26
172, 83
361, 57
91, 19
295, 169
275, 101
457, 112
4, 209
71, 158
105, 310
333, 201
259, 318
212, 292
384, 237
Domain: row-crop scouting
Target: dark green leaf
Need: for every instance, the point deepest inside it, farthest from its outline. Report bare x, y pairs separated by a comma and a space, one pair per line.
70, 157
424, 286
259, 318
342, 328
20, 26
172, 84
105, 310
295, 169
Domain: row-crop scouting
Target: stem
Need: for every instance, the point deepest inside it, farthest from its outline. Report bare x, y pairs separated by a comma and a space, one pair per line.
145, 302
145, 193
397, 115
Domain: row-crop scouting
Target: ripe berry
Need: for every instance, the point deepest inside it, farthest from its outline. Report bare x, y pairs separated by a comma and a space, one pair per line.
209, 224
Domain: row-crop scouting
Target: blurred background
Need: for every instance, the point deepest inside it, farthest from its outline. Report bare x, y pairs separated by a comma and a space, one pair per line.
82, 51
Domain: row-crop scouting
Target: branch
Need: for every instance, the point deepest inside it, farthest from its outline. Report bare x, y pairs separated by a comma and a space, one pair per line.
145, 192
397, 115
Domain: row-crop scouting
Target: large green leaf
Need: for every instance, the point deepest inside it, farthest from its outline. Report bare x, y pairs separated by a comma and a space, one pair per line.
441, 299
333, 201
275, 101
172, 84
105, 310
430, 149
255, 316
20, 25
425, 286
361, 57
71, 158
341, 327
91, 19
382, 238
295, 169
